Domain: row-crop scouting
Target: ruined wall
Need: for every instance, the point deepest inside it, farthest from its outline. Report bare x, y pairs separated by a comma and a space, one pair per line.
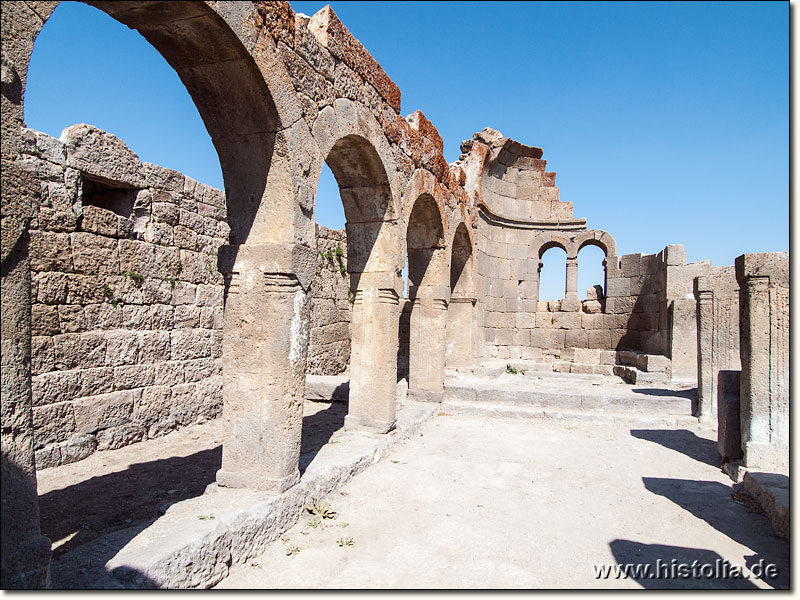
127, 299
329, 344
717, 297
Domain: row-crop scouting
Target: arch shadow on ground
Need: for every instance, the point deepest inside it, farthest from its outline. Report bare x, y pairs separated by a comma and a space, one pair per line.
712, 502
683, 441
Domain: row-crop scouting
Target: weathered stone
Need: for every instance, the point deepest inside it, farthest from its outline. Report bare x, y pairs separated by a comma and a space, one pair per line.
103, 411
101, 155
119, 436
94, 254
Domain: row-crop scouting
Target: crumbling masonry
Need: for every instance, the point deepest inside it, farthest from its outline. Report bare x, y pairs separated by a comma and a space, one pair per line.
136, 300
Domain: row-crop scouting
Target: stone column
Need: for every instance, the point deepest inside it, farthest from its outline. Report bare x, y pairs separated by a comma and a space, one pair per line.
754, 386
265, 342
571, 301
373, 355
427, 342
459, 349
25, 557
705, 408
764, 349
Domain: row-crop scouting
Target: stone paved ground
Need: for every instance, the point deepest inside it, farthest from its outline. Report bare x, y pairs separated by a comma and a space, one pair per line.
477, 503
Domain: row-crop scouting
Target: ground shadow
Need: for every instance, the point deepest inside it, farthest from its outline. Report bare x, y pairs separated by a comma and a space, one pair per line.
712, 502
683, 441
123, 499
662, 567
318, 429
690, 394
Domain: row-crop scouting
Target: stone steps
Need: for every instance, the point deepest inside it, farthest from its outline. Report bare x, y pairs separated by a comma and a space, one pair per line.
488, 409
643, 401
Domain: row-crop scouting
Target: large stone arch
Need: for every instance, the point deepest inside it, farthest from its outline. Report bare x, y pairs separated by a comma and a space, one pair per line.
224, 54
459, 346
351, 142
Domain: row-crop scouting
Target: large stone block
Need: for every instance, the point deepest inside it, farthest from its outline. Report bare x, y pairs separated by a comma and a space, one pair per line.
93, 254
44, 320
55, 386
102, 155
101, 412
99, 220
119, 436
128, 377
191, 343
79, 350
122, 348
50, 251
154, 346
52, 423
99, 380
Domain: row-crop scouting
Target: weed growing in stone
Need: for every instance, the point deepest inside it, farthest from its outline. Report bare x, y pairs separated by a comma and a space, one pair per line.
205, 517
321, 509
511, 370
137, 279
346, 541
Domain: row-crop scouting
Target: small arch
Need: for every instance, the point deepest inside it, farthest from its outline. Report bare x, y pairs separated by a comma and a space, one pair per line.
552, 273
425, 243
591, 272
462, 283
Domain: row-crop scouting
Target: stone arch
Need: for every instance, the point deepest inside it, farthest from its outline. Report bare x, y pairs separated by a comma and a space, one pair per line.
427, 259
428, 292
459, 350
351, 142
555, 242
234, 77
602, 239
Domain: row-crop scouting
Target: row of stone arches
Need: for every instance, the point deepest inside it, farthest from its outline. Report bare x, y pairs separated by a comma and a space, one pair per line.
571, 245
270, 148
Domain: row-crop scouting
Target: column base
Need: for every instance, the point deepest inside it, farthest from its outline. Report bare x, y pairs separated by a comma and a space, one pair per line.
570, 304
252, 481
353, 423
425, 395
764, 456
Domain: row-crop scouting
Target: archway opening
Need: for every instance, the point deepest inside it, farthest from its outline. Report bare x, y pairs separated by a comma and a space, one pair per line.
553, 275
356, 284
133, 249
460, 310
428, 287
591, 273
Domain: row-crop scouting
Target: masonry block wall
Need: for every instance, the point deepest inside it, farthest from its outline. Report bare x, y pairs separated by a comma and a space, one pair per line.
126, 296
717, 297
329, 344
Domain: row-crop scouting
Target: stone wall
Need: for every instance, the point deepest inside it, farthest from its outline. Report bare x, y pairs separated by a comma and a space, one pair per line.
331, 301
717, 296
126, 296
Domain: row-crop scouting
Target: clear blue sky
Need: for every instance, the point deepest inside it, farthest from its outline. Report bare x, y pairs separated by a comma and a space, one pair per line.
666, 122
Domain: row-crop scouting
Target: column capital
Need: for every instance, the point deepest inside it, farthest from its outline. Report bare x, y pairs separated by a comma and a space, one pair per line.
273, 260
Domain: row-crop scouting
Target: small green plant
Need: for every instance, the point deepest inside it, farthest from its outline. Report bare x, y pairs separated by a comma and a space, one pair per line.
109, 295
205, 517
180, 267
37, 152
346, 541
137, 279
292, 550
171, 281
339, 251
511, 370
350, 297
315, 522
329, 255
321, 509
342, 269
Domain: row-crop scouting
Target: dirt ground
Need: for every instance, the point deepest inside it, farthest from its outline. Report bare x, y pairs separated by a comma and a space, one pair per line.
470, 503
121, 488
501, 503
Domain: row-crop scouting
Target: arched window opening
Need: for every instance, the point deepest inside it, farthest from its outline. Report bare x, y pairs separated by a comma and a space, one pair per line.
553, 275
591, 273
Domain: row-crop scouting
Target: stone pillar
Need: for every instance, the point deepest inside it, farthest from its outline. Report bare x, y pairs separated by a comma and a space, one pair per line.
427, 342
459, 349
265, 342
25, 557
571, 301
764, 348
373, 354
706, 406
